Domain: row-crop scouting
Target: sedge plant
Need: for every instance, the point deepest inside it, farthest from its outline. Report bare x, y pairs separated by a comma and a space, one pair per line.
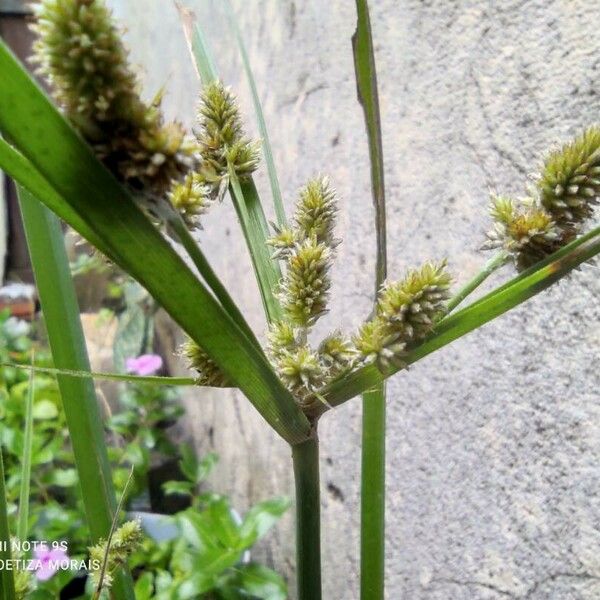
107, 163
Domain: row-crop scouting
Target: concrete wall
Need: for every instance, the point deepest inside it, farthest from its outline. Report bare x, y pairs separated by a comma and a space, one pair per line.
493, 442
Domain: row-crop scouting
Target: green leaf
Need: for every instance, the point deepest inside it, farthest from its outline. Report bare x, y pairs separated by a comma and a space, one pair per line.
64, 477
144, 587
7, 584
261, 518
260, 117
24, 492
255, 581
44, 410
43, 136
181, 488
67, 343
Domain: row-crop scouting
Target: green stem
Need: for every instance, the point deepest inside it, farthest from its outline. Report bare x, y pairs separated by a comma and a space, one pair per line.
308, 519
494, 263
7, 583
372, 526
23, 520
67, 343
372, 495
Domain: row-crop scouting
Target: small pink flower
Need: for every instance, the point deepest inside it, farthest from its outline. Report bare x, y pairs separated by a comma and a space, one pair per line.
50, 561
147, 364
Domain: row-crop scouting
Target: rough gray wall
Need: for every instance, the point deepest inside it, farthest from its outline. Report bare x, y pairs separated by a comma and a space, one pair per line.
493, 442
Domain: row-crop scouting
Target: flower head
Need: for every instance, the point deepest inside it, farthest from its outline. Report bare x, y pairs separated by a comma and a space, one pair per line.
210, 375
79, 50
146, 364
316, 211
570, 182
524, 229
305, 287
47, 561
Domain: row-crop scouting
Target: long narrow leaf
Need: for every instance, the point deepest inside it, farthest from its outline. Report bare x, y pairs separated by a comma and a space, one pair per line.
372, 511
67, 343
23, 521
260, 117
254, 225
494, 304
244, 194
7, 583
68, 164
151, 379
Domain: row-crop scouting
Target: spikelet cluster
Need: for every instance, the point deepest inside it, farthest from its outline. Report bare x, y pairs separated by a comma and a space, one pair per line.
406, 312
79, 50
307, 247
305, 287
125, 541
523, 228
221, 140
191, 197
570, 182
209, 373
567, 192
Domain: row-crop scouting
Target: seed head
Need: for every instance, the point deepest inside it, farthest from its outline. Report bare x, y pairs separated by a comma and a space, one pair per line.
570, 182
221, 136
377, 342
79, 50
300, 370
191, 197
316, 211
412, 305
337, 354
283, 242
210, 375
305, 287
524, 229
125, 541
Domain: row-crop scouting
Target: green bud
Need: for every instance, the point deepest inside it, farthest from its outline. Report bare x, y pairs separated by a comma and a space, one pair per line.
191, 197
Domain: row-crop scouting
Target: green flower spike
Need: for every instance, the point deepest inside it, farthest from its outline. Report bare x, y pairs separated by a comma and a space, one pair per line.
282, 338
125, 541
377, 342
570, 182
316, 211
79, 50
406, 312
221, 138
412, 306
210, 375
305, 287
525, 229
337, 353
300, 370
282, 242
191, 197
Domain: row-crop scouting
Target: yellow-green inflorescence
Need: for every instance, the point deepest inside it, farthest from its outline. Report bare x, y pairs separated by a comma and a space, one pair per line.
566, 194
124, 542
221, 145
406, 313
79, 50
209, 374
